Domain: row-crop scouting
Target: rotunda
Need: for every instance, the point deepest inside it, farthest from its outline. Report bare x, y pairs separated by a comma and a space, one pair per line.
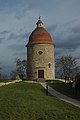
40, 54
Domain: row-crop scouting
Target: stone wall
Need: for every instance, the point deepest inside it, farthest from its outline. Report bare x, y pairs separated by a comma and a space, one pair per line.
40, 57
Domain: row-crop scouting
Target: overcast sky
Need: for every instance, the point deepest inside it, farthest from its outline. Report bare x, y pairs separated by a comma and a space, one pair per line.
18, 19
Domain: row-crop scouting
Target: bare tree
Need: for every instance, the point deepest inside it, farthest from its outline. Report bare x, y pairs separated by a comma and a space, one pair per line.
21, 68
65, 66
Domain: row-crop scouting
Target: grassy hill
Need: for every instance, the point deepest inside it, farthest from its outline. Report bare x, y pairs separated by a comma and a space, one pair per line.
28, 101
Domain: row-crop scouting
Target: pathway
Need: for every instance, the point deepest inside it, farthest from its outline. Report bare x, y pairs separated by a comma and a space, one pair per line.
7, 83
61, 96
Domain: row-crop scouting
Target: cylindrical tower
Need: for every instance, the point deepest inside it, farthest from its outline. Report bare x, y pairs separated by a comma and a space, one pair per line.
40, 54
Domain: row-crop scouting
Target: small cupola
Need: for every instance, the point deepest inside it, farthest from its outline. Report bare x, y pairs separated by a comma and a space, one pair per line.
39, 23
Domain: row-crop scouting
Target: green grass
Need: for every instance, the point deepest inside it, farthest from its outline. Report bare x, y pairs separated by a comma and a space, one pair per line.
64, 88
25, 101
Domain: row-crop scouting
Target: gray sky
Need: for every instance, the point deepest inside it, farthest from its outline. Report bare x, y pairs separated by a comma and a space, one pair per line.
18, 19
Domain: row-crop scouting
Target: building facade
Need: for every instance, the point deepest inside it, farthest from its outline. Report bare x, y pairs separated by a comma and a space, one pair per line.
40, 54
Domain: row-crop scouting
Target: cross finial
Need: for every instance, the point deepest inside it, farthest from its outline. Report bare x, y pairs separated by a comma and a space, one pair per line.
39, 17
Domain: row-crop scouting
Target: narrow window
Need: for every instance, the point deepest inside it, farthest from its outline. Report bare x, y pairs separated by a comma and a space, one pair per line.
49, 65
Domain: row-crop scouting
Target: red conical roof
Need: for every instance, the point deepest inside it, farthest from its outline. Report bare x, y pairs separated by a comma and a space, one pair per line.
40, 35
